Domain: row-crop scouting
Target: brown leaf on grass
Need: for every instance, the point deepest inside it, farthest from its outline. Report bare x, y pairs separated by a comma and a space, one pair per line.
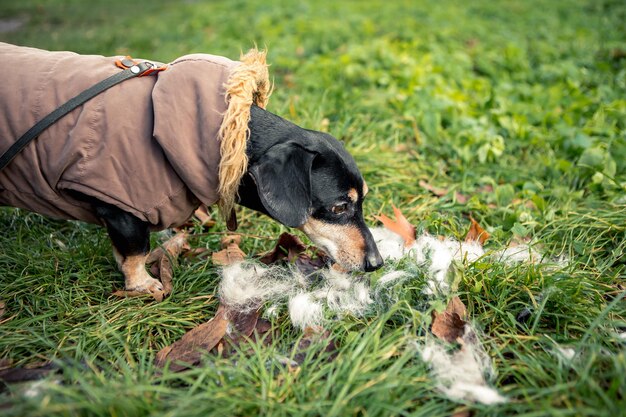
401, 226
289, 248
242, 323
228, 329
476, 233
440, 192
173, 246
196, 253
231, 253
5, 363
314, 335
163, 257
449, 325
242, 326
202, 214
201, 339
165, 275
28, 373
2, 308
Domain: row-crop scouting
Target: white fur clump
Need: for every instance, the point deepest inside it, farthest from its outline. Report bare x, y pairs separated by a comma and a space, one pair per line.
460, 375
517, 254
245, 285
465, 251
390, 244
343, 295
566, 353
304, 311
430, 251
391, 277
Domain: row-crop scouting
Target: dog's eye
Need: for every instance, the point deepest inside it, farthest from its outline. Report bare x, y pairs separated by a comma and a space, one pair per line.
339, 208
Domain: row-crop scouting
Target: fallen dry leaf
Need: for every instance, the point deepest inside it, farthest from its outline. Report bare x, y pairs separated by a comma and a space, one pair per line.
202, 214
476, 233
165, 275
401, 226
228, 329
28, 373
188, 350
289, 248
5, 363
242, 323
313, 335
174, 246
196, 253
440, 192
449, 325
231, 253
2, 308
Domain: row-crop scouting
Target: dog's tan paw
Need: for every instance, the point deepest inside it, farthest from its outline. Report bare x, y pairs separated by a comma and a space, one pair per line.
148, 285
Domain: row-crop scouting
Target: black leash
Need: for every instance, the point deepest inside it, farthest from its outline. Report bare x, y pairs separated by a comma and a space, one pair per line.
131, 70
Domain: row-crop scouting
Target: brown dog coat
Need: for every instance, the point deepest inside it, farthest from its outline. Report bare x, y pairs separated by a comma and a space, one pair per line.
154, 146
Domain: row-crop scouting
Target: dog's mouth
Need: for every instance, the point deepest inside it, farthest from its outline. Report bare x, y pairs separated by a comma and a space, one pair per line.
346, 245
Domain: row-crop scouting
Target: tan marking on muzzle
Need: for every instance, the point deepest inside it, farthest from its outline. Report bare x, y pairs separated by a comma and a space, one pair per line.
365, 188
344, 243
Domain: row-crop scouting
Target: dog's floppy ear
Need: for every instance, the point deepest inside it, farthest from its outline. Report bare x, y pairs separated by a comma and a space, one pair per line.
283, 180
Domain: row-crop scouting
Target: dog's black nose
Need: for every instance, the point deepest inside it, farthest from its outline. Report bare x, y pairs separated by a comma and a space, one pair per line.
373, 261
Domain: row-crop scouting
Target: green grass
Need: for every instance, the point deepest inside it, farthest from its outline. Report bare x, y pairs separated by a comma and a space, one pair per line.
527, 97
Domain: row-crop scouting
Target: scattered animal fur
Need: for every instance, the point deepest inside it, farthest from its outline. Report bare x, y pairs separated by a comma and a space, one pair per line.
246, 285
304, 311
461, 374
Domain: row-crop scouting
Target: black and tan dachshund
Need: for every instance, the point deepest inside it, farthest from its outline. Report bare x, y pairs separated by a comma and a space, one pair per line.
301, 178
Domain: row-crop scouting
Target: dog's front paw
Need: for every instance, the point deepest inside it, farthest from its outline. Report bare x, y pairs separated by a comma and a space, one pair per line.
148, 285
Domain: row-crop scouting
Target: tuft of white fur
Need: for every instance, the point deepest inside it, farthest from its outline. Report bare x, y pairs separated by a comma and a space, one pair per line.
566, 353
245, 285
460, 375
464, 251
272, 311
391, 277
38, 388
337, 280
517, 254
390, 244
304, 311
430, 251
343, 295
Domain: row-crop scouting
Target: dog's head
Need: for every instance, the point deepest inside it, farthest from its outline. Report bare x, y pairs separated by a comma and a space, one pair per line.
306, 179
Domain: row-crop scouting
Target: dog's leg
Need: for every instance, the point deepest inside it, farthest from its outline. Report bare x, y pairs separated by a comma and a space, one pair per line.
131, 243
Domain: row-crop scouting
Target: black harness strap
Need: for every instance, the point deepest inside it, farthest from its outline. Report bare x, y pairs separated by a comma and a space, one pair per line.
142, 68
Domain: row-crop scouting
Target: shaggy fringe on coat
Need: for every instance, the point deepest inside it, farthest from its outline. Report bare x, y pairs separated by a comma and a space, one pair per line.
248, 84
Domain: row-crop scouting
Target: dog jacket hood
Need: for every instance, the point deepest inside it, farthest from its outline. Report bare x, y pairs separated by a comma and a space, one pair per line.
154, 146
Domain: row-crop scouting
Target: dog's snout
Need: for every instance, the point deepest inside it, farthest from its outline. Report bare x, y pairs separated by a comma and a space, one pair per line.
373, 261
